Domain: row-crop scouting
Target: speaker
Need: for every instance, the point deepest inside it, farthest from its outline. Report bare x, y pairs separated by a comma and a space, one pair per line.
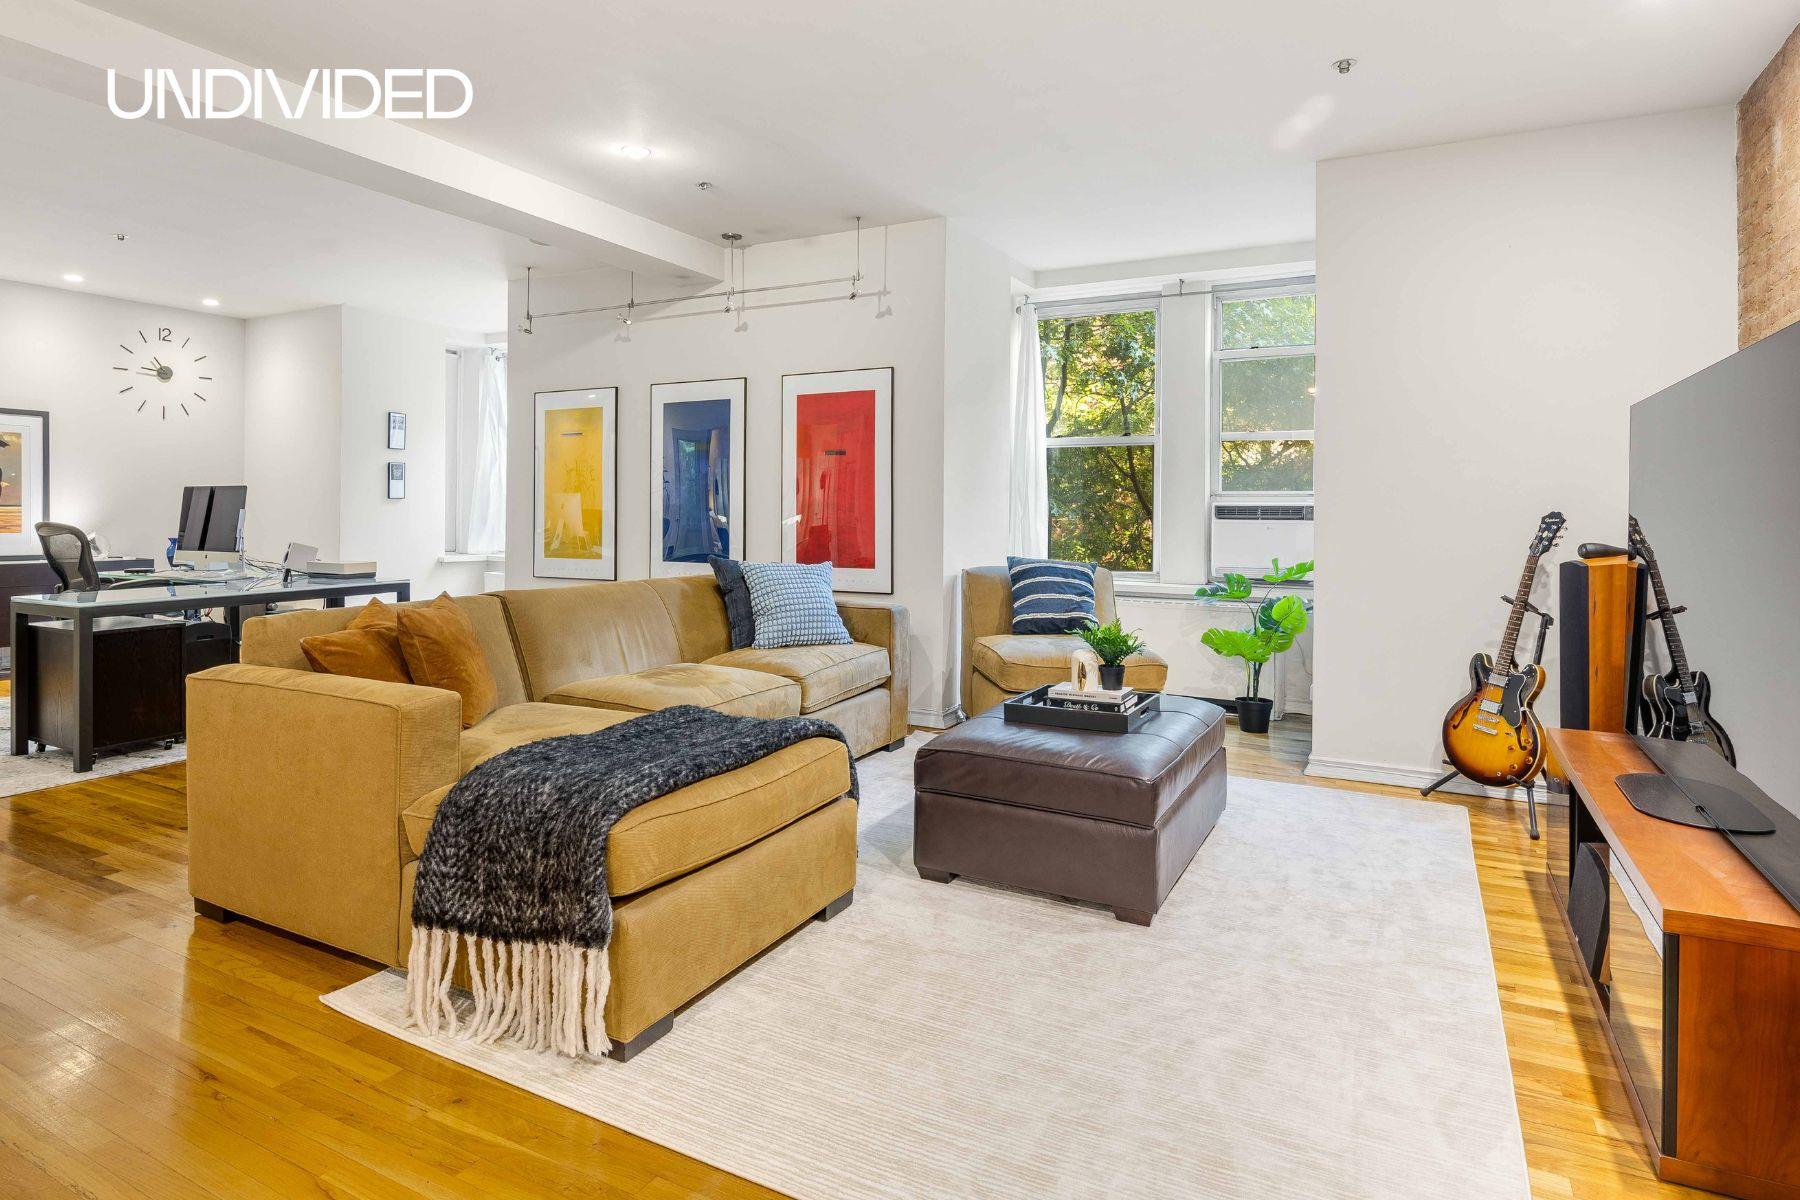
1600, 618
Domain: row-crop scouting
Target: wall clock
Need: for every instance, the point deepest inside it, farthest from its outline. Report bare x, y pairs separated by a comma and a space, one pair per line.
167, 373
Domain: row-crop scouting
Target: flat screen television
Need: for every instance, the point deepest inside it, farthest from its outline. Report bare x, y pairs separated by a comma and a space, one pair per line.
1715, 486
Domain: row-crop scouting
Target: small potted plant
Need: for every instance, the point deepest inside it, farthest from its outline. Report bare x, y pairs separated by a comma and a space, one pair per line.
1112, 646
1275, 621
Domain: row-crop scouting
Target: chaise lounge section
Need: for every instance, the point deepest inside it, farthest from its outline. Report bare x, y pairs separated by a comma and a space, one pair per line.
311, 795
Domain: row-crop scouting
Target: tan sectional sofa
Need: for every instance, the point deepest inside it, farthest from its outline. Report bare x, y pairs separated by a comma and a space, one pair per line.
310, 796
998, 664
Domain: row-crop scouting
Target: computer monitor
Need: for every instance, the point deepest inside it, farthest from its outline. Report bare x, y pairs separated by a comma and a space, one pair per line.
212, 526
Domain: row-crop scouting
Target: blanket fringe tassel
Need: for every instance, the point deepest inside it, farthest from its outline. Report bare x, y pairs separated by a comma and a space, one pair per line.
541, 995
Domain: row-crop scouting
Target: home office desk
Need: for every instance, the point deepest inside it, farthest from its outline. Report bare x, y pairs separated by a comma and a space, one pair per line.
83, 609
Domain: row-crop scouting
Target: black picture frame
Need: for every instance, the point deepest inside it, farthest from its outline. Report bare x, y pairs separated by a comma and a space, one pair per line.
396, 481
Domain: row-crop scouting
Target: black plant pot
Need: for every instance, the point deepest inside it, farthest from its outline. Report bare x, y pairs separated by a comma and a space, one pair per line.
1253, 713
1112, 679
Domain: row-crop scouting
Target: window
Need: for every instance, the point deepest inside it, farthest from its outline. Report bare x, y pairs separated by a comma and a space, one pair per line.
1264, 381
1101, 433
475, 451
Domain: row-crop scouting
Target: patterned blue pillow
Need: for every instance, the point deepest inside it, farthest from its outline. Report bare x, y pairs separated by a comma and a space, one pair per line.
1049, 596
794, 605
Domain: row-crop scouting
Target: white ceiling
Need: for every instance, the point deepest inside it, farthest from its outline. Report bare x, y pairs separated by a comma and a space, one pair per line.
1066, 132
205, 219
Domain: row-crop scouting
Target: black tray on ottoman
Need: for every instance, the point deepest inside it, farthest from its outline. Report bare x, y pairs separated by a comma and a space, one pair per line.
1111, 818
1036, 708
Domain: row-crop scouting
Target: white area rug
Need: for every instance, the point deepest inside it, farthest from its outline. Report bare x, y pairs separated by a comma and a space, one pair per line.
1313, 1014
53, 768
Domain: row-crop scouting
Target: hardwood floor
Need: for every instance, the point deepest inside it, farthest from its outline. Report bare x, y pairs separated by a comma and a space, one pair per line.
144, 1052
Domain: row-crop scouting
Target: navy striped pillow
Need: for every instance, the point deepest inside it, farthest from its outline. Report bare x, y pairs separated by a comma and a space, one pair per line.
1049, 596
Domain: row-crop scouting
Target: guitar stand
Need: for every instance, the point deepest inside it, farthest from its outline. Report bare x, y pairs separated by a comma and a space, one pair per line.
1545, 621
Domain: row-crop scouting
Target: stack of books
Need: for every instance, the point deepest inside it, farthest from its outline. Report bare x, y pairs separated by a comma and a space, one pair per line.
1066, 695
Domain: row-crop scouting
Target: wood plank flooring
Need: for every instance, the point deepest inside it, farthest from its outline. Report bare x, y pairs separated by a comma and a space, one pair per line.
144, 1052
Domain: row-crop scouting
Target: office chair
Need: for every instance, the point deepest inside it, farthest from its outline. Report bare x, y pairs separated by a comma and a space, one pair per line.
70, 555
67, 551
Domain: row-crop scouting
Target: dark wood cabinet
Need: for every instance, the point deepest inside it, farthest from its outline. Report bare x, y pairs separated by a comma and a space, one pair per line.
1694, 962
140, 682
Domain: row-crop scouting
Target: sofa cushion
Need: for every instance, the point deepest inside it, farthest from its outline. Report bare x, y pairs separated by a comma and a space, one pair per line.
367, 648
517, 724
700, 823
792, 605
274, 641
826, 674
736, 594
1020, 662
442, 651
586, 631
1050, 595
728, 689
697, 612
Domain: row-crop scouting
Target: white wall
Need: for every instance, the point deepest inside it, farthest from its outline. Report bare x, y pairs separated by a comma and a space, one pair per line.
397, 364
979, 287
292, 402
916, 340
113, 470
1488, 312
321, 385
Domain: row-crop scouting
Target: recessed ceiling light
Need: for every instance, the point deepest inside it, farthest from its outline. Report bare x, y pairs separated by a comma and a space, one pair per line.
71, 277
633, 152
210, 302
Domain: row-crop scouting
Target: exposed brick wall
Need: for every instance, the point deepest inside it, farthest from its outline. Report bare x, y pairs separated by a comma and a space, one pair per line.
1768, 159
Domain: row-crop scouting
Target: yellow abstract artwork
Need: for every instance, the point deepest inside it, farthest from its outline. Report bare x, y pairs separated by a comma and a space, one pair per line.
574, 467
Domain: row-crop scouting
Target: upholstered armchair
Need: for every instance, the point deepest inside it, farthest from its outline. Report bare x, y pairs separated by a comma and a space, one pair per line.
998, 663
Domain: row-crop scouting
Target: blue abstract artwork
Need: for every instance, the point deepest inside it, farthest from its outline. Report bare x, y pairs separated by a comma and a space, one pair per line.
696, 480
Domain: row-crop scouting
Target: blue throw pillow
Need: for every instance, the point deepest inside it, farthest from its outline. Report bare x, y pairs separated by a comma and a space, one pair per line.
738, 614
1050, 596
794, 605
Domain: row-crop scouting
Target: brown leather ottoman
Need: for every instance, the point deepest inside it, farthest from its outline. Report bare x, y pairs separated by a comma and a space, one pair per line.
1112, 818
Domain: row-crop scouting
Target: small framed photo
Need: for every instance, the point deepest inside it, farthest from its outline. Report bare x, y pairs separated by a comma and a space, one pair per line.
396, 431
396, 480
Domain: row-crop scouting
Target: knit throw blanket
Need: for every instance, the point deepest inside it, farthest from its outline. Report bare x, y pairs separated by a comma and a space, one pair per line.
513, 877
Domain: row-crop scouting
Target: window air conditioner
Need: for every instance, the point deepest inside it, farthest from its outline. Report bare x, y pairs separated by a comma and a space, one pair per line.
1246, 536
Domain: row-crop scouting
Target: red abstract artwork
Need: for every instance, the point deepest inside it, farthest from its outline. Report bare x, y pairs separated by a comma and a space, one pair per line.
834, 451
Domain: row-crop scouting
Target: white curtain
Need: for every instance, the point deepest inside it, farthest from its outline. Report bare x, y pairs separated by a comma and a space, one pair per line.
478, 448
1028, 517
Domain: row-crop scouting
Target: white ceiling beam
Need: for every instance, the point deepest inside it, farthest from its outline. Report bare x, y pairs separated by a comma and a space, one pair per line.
69, 47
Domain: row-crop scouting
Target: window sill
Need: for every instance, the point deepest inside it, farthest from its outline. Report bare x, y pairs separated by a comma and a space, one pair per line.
450, 557
1151, 590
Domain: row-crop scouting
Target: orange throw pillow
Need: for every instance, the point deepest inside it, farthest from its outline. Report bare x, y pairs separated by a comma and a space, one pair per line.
439, 644
367, 648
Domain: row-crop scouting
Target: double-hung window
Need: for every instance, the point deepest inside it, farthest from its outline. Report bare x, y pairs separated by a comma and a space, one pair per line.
1263, 389
1101, 432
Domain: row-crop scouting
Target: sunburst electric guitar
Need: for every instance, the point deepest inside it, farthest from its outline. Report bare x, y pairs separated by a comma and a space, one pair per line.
1677, 704
1491, 735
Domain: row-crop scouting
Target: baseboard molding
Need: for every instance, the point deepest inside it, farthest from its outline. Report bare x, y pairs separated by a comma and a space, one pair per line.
1358, 771
926, 718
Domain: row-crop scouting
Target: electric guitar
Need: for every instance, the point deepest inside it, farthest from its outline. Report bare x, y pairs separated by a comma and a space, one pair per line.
1491, 735
1676, 705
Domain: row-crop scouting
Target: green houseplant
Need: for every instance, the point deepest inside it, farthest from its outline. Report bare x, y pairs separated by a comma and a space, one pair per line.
1275, 621
1112, 645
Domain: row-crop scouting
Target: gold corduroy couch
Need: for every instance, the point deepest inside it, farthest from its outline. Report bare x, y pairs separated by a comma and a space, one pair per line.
310, 795
998, 664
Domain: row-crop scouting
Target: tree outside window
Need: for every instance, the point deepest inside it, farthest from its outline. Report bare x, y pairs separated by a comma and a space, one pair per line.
1100, 424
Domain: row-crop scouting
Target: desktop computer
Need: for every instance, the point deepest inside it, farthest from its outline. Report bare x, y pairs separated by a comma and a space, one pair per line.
212, 527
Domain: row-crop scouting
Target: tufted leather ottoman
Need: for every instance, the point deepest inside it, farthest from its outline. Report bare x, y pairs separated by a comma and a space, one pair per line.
1112, 818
